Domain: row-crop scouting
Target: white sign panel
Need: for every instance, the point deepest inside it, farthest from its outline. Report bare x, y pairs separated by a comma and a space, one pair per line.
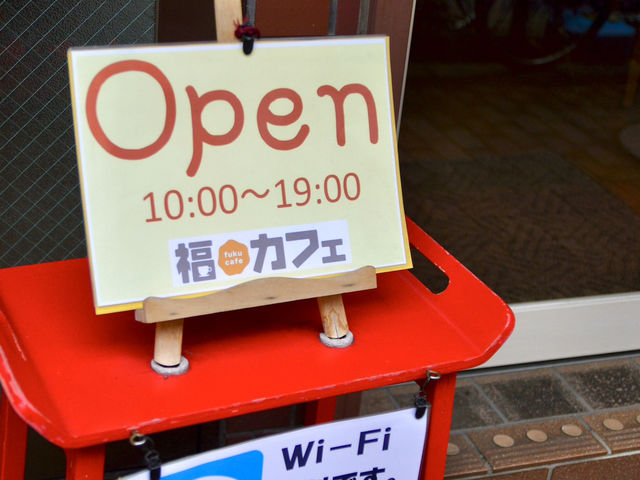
379, 447
180, 142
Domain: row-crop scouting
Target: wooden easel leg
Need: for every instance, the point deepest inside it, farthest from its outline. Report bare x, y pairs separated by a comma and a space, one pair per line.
440, 394
227, 13
167, 353
334, 322
85, 463
13, 442
334, 318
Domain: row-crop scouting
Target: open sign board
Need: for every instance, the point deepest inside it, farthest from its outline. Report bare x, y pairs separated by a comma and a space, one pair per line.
201, 167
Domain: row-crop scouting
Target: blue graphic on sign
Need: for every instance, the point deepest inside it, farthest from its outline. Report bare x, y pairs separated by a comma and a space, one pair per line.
246, 466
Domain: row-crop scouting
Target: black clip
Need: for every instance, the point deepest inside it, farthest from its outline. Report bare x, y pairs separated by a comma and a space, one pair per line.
420, 398
151, 455
247, 33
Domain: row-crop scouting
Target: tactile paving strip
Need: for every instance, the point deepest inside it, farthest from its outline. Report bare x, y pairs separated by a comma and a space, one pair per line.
620, 430
462, 460
536, 443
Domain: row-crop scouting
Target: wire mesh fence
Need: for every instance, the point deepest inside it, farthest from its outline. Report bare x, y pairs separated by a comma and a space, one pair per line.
40, 206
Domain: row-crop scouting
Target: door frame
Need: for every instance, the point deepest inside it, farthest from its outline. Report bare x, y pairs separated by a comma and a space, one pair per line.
571, 327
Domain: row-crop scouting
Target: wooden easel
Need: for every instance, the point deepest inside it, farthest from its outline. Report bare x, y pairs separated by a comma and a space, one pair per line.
169, 313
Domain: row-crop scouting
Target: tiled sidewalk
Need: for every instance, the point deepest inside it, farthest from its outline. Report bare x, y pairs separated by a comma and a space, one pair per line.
563, 420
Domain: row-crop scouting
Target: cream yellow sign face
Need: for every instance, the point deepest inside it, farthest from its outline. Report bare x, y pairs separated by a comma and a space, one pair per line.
202, 167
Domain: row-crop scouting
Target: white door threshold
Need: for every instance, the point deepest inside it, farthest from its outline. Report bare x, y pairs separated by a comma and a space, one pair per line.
568, 328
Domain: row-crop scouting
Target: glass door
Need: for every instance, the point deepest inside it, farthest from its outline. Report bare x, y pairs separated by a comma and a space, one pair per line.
525, 176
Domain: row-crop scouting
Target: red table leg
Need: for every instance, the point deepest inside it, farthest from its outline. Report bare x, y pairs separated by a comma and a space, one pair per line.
85, 463
320, 411
440, 394
13, 442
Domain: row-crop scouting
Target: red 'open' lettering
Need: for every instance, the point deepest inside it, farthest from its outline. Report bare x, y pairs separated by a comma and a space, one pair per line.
200, 134
339, 96
92, 114
266, 116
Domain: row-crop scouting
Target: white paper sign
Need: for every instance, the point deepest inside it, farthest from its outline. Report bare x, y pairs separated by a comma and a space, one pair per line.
378, 447
177, 142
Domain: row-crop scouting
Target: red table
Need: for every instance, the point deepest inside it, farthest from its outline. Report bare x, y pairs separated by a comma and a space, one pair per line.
82, 381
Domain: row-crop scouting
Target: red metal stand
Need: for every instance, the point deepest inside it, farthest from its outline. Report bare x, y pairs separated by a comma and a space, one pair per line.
85, 463
13, 441
61, 363
320, 411
441, 395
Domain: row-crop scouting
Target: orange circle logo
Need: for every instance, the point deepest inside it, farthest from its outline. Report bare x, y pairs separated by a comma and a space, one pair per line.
233, 257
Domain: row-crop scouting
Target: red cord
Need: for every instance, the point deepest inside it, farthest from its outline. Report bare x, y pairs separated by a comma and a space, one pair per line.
246, 29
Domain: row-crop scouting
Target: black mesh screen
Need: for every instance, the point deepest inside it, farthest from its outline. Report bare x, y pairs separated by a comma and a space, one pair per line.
40, 207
